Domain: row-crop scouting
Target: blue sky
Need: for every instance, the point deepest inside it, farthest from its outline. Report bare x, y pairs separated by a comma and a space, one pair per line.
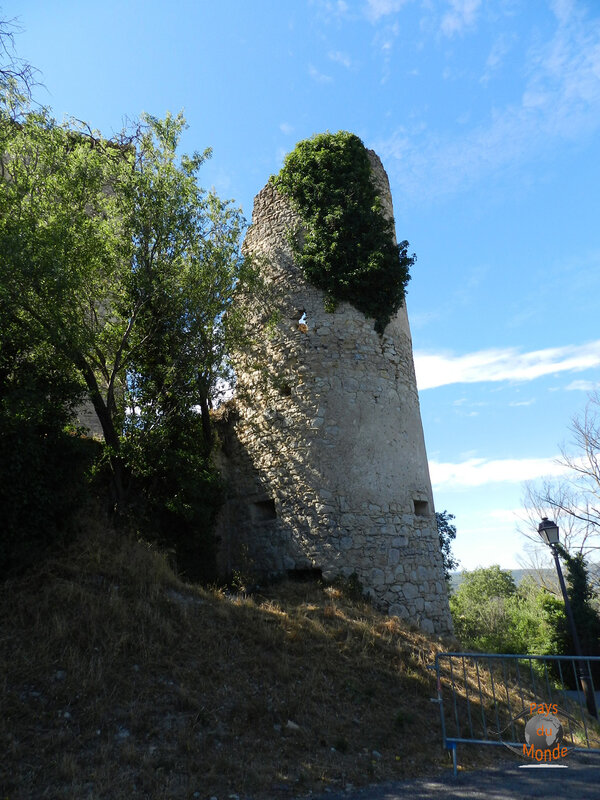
486, 114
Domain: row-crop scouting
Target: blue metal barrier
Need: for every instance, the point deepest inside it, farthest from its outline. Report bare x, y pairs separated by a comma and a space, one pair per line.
485, 698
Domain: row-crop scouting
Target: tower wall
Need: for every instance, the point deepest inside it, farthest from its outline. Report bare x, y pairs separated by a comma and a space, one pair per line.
324, 453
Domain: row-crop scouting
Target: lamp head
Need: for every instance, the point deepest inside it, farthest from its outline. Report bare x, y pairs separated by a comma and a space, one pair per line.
548, 530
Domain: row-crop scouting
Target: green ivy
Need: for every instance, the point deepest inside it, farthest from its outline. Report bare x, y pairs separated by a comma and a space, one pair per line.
348, 249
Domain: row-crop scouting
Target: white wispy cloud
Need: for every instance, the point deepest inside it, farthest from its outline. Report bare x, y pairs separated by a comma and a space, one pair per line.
559, 100
506, 514
317, 76
422, 318
384, 42
376, 9
462, 15
563, 9
331, 9
340, 58
286, 128
480, 471
502, 364
496, 57
583, 386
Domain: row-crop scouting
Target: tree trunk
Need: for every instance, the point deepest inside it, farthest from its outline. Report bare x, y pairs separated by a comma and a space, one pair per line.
111, 436
206, 423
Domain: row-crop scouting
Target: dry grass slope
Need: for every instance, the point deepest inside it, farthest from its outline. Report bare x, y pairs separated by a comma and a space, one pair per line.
118, 680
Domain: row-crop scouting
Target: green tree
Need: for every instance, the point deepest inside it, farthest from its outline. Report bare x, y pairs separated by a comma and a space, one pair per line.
447, 534
42, 461
124, 270
536, 619
187, 266
488, 582
121, 261
491, 614
62, 256
581, 595
480, 609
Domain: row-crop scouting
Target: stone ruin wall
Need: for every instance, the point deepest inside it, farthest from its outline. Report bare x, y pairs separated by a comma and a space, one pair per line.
323, 453
88, 419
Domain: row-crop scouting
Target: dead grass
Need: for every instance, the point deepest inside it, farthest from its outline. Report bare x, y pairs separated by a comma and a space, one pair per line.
117, 680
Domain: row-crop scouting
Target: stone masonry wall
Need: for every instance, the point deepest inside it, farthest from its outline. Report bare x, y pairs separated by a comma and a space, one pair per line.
324, 450
88, 419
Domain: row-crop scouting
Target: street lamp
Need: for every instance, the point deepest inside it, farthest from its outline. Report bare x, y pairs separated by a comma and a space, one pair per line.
548, 530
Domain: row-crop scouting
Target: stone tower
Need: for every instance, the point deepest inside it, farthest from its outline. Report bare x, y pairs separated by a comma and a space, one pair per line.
324, 452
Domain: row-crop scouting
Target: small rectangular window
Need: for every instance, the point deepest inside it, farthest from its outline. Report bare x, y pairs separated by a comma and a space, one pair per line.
305, 574
421, 508
264, 510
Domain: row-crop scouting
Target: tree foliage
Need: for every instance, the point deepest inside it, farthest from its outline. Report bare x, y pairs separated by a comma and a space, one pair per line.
581, 596
186, 266
119, 270
491, 614
348, 249
447, 534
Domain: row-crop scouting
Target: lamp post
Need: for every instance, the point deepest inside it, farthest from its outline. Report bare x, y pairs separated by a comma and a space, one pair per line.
548, 530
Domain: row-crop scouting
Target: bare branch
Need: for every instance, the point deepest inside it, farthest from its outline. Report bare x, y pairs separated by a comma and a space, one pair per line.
14, 71
573, 500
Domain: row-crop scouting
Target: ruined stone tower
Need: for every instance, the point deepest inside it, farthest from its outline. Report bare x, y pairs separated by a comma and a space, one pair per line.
324, 453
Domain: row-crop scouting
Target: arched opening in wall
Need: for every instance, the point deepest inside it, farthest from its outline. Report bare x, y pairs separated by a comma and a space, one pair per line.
263, 510
421, 508
305, 574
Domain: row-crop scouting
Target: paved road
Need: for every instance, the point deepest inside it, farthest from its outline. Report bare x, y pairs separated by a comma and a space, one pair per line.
580, 781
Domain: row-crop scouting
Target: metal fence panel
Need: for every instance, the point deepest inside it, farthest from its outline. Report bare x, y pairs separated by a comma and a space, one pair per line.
486, 698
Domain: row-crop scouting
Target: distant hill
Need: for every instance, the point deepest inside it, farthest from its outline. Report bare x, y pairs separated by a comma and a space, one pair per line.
548, 575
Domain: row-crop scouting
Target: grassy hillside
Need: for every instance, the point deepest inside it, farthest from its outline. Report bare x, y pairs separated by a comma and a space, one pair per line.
119, 681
